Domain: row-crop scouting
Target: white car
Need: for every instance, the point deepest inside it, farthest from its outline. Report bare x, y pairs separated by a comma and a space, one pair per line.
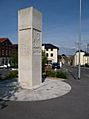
3, 66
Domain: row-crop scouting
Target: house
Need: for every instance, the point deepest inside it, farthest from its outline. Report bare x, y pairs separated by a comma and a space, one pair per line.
6, 50
51, 51
63, 58
70, 60
84, 58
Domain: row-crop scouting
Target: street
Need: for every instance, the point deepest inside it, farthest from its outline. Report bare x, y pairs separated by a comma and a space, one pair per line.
4, 72
74, 105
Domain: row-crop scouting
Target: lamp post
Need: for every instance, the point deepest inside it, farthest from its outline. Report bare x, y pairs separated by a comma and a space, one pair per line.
79, 66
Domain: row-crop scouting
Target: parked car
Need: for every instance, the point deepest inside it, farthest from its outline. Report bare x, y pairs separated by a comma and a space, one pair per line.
55, 66
3, 66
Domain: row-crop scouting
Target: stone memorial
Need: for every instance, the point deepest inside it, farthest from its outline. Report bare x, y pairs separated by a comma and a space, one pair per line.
29, 47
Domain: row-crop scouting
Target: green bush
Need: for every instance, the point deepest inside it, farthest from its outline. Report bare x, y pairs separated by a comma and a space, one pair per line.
86, 65
12, 74
44, 61
58, 74
50, 73
61, 74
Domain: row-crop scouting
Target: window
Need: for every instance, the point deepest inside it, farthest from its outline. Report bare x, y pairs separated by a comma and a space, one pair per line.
6, 52
46, 49
51, 54
6, 61
2, 52
47, 54
2, 61
49, 61
51, 49
4, 44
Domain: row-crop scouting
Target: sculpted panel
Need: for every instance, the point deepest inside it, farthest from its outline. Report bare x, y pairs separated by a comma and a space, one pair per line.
36, 42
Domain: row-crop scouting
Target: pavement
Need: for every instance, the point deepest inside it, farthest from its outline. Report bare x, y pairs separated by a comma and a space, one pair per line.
50, 88
72, 105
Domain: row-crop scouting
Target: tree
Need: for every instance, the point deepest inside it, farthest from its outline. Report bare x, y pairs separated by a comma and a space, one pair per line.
14, 59
44, 60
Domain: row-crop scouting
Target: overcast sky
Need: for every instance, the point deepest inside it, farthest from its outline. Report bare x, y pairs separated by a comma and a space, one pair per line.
60, 20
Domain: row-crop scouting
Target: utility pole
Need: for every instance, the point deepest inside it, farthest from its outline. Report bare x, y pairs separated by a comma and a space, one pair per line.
79, 66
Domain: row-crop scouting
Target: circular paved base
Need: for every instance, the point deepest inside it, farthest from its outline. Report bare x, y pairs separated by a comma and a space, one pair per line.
50, 89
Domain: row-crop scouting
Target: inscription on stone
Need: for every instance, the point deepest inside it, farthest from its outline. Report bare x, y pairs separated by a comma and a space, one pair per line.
24, 49
36, 42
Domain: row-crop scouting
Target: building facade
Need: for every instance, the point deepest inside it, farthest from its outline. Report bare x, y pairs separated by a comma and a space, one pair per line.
6, 50
87, 48
51, 51
84, 58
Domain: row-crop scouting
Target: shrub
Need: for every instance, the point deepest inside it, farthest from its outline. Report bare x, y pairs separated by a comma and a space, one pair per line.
86, 65
44, 61
58, 74
12, 74
61, 74
50, 73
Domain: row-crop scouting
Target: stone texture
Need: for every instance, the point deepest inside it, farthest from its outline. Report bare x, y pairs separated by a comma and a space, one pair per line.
48, 90
29, 50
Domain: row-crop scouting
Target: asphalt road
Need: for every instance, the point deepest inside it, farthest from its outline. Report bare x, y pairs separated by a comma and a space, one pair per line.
74, 105
4, 71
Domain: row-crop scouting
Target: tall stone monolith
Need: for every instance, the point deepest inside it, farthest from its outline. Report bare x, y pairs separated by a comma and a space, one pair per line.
29, 47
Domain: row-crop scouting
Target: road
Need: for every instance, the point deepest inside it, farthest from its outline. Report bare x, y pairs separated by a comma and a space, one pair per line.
84, 72
4, 71
74, 105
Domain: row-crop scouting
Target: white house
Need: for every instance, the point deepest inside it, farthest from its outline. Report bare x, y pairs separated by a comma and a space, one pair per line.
84, 58
51, 51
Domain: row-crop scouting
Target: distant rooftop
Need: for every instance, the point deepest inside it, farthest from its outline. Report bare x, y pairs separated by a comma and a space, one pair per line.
49, 46
4, 39
80, 51
86, 54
